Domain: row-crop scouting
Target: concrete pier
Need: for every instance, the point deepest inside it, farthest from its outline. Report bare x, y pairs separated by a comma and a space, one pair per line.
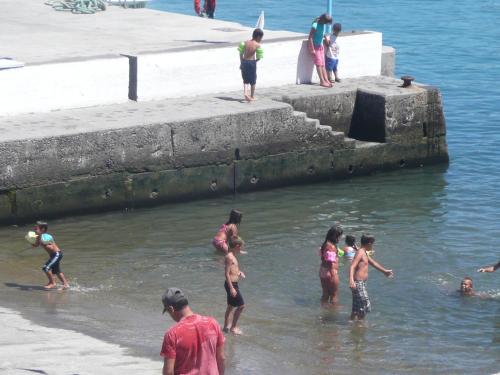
72, 141
136, 154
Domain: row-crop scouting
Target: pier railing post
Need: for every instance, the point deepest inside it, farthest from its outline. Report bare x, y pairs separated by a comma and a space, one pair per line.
132, 77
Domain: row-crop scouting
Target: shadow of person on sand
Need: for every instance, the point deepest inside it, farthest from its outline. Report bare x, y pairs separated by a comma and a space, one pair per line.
229, 99
27, 288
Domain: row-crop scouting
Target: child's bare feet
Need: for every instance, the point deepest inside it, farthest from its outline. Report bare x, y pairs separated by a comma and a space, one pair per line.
64, 287
49, 286
225, 330
247, 98
236, 331
253, 98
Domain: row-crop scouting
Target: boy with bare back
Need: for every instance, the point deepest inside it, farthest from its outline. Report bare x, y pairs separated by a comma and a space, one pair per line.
52, 266
358, 274
234, 297
250, 53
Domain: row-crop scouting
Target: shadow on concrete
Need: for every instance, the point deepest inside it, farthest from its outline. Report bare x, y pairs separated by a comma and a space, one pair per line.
34, 370
229, 99
200, 41
27, 287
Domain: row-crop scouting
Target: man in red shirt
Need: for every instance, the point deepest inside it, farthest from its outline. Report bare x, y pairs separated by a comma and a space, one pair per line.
195, 344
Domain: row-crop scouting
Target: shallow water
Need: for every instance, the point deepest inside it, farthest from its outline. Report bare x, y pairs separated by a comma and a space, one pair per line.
433, 226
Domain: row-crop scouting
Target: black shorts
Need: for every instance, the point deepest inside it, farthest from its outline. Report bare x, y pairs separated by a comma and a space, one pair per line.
53, 263
249, 71
234, 301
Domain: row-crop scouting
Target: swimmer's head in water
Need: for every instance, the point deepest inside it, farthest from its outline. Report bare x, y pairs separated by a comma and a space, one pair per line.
41, 227
466, 286
234, 217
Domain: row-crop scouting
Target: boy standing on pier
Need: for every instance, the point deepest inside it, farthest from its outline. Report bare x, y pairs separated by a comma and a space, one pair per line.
358, 274
250, 52
332, 53
52, 266
234, 297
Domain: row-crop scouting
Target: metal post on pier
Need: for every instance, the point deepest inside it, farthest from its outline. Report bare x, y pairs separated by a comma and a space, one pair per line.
329, 10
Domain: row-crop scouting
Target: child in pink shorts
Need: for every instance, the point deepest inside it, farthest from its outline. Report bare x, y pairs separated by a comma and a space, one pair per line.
316, 48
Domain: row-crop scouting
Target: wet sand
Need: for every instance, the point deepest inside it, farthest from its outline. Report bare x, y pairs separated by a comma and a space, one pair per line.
26, 347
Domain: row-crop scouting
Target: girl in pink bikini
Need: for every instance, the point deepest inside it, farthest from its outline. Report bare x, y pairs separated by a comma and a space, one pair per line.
328, 270
228, 232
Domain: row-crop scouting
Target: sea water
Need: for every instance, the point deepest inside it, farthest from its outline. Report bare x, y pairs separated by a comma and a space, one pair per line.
433, 226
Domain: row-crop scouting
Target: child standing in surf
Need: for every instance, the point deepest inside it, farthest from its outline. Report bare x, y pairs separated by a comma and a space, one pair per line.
250, 52
227, 236
52, 266
358, 275
328, 270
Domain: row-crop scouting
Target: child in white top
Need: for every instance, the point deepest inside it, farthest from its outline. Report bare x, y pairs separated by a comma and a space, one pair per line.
332, 53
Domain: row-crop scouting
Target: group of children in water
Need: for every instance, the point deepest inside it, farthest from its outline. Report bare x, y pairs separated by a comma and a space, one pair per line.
228, 242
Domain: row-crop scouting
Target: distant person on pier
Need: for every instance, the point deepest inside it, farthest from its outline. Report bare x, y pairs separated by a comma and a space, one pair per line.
195, 345
329, 268
250, 52
208, 8
489, 268
316, 48
52, 266
228, 232
332, 53
358, 275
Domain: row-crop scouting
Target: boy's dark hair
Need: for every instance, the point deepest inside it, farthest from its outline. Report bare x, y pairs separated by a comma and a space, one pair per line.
350, 240
337, 27
468, 279
42, 225
234, 217
367, 239
257, 34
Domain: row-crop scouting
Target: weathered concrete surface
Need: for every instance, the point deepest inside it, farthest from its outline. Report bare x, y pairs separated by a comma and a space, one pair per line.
122, 156
388, 61
33, 32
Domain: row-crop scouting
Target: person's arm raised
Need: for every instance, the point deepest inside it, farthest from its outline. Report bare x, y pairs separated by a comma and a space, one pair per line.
379, 267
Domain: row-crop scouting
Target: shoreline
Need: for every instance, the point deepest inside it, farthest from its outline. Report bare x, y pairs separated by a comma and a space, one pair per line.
23, 342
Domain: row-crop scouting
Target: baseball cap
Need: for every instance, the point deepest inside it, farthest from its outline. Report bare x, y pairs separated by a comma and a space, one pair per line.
172, 297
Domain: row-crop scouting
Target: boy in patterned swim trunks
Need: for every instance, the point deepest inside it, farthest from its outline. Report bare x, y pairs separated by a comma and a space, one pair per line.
358, 274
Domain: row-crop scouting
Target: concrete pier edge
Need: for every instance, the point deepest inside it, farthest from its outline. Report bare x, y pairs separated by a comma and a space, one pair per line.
145, 154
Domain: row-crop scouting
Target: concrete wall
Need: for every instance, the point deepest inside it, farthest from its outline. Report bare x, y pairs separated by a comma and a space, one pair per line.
163, 161
46, 87
191, 72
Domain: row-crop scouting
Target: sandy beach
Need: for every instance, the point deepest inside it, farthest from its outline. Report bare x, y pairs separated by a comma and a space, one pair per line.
30, 348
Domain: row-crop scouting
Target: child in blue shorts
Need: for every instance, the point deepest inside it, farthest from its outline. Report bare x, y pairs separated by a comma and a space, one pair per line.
332, 53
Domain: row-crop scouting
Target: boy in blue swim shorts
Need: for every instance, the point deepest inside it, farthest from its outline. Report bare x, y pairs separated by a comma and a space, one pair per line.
332, 53
52, 266
250, 52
